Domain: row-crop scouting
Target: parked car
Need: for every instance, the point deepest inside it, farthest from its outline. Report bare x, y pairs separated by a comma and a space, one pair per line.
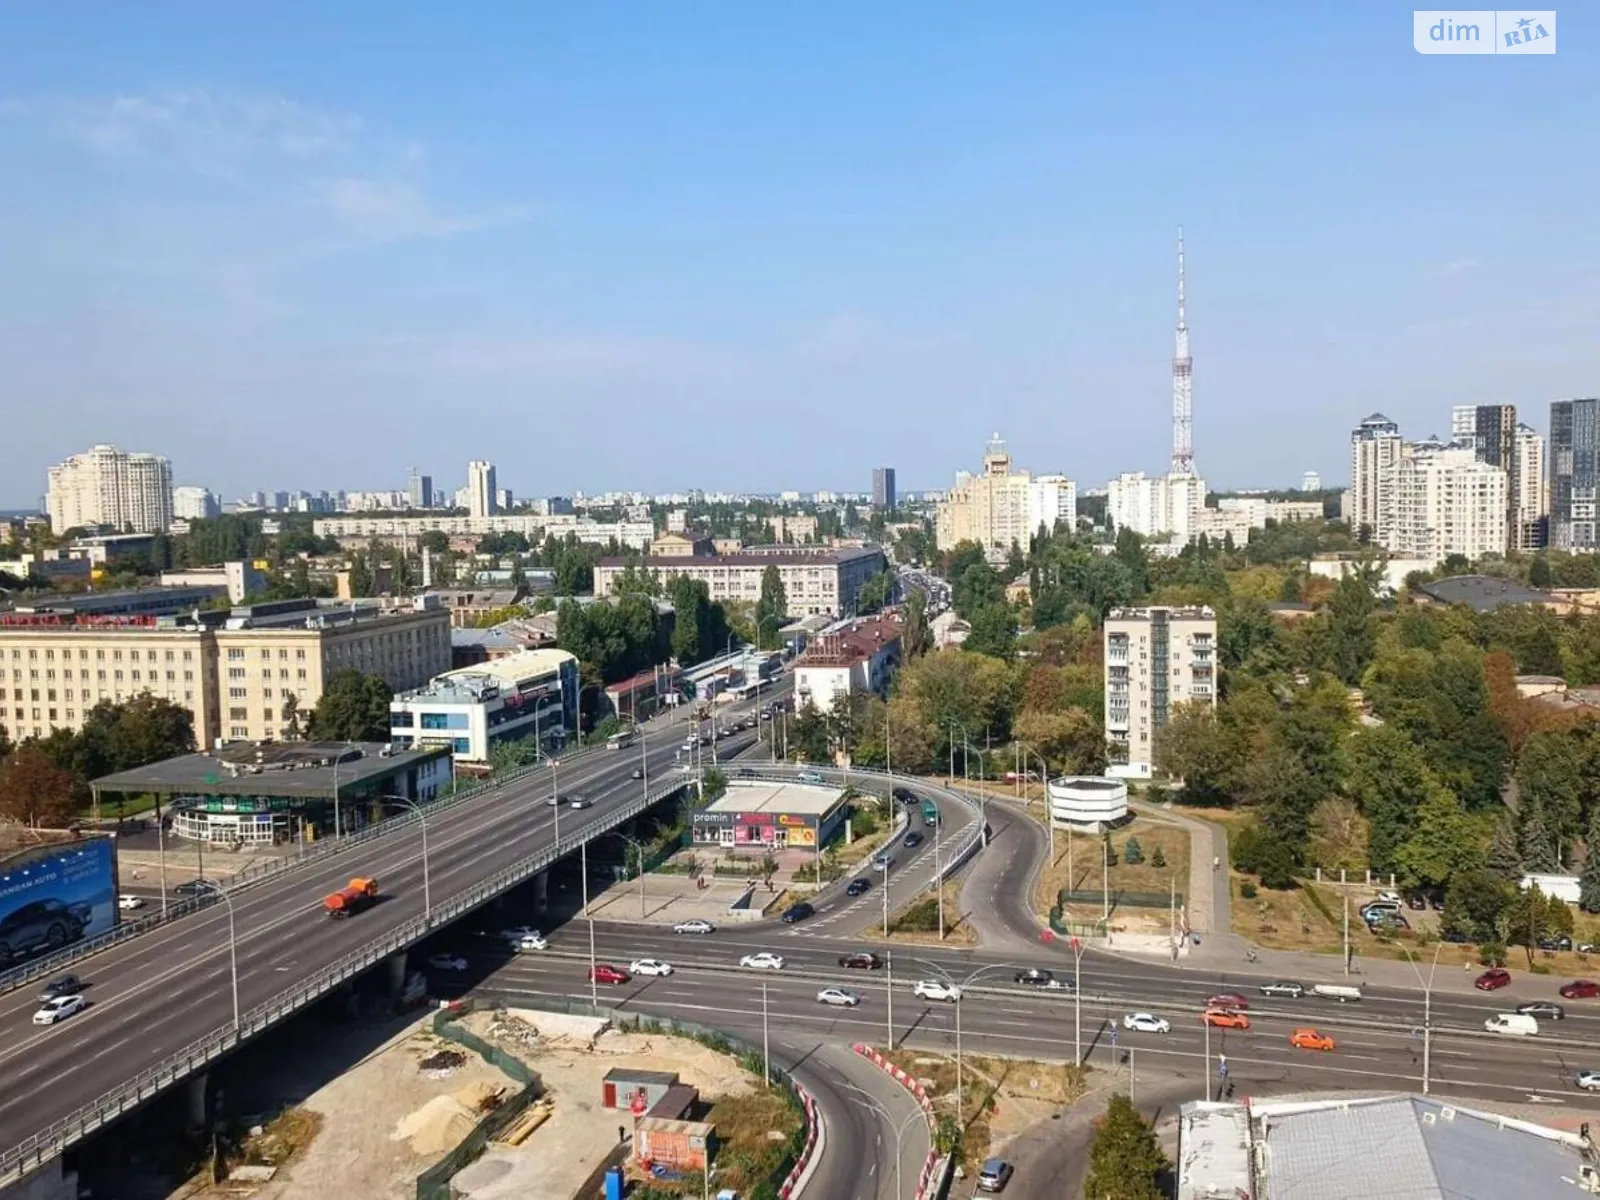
1545, 1010
59, 1009
1493, 978
1417, 902
606, 973
1389, 898
1033, 977
1310, 1039
446, 962
763, 960
1589, 1081
1146, 1023
1555, 943
1283, 987
1580, 989
912, 840
838, 997
797, 912
650, 966
62, 985
1225, 1018
859, 886
994, 1175
694, 925
1227, 1000
936, 989
861, 960
129, 903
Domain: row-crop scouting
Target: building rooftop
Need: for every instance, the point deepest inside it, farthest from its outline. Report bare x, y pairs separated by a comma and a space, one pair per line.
753, 556
1214, 1152
482, 680
747, 796
485, 639
850, 642
1480, 593
1199, 612
296, 769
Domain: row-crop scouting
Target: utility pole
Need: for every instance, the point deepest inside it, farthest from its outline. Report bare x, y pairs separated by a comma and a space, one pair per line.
1105, 878
938, 871
1172, 918
766, 1048
1347, 935
1207, 1071
888, 994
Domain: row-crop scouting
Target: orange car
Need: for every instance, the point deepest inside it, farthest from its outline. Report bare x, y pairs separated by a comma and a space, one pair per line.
1310, 1039
1225, 1018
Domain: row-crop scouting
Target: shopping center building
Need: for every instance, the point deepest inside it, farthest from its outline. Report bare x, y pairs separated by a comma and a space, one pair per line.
533, 693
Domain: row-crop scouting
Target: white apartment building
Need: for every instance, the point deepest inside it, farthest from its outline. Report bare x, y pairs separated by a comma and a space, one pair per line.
1375, 448
1532, 490
633, 534
1156, 506
108, 486
860, 657
482, 498
1448, 502
1155, 658
1052, 500
815, 581
195, 504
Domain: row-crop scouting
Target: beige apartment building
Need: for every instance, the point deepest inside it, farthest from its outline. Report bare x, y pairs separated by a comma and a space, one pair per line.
815, 581
1155, 658
992, 508
108, 486
235, 676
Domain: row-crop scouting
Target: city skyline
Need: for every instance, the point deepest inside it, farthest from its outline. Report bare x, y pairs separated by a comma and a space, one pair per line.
266, 263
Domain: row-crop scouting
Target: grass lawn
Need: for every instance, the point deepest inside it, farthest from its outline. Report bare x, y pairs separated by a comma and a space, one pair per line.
1081, 870
916, 924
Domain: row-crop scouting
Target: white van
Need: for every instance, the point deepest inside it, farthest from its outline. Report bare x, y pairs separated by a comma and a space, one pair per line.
1341, 992
1519, 1024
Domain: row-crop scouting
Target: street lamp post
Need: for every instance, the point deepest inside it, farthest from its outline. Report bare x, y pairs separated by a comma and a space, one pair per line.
1077, 1000
1427, 1011
960, 999
233, 947
1044, 782
555, 798
422, 818
337, 758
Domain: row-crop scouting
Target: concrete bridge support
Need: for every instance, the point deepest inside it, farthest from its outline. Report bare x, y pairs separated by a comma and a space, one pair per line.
198, 1089
396, 966
541, 891
49, 1182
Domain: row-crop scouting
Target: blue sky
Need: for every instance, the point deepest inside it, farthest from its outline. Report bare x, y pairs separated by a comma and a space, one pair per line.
720, 245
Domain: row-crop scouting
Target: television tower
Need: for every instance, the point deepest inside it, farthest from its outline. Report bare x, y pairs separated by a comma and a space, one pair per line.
1182, 385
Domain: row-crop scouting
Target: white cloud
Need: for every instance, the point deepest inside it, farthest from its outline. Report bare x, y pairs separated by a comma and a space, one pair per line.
391, 210
561, 358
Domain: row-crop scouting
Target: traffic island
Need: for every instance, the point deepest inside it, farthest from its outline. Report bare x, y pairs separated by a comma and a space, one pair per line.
917, 923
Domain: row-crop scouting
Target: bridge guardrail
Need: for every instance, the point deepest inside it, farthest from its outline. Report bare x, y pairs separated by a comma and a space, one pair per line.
51, 1141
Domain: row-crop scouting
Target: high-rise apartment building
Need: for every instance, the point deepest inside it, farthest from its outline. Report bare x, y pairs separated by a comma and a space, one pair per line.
108, 486
1448, 501
1052, 501
1375, 448
883, 493
1311, 482
482, 496
1574, 449
1532, 492
195, 504
1156, 506
990, 508
1155, 659
419, 489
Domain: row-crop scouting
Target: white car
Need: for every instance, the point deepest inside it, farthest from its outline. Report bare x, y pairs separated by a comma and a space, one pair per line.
694, 926
838, 997
1389, 897
128, 903
650, 966
764, 961
59, 1009
1147, 1023
1589, 1081
933, 989
517, 932
446, 962
532, 941
581, 802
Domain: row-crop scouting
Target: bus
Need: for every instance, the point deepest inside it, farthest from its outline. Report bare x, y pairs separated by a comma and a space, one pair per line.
930, 813
620, 740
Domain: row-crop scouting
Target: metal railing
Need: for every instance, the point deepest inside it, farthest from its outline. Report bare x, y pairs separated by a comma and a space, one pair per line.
51, 1141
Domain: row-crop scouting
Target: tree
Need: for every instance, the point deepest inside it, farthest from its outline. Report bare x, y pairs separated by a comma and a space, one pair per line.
361, 579
1133, 852
1539, 572
35, 791
1125, 1160
916, 638
1442, 846
1589, 880
143, 730
1070, 740
354, 708
1533, 838
1387, 777
1533, 917
293, 729
1339, 836
1551, 776
994, 630
1475, 906
1198, 748
1505, 851
772, 609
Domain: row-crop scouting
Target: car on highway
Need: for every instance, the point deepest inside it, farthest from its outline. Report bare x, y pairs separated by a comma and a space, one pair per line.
1589, 1081
936, 989
994, 1175
1033, 977
1227, 1000
883, 861
1493, 978
838, 997
905, 796
59, 1009
194, 887
912, 840
606, 973
580, 802
694, 925
1225, 1018
650, 966
1283, 987
531, 942
811, 777
129, 903
1580, 989
637, 773
796, 913
517, 932
1146, 1023
861, 960
1310, 1039
62, 985
859, 886
444, 961
552, 802
763, 960
1545, 1010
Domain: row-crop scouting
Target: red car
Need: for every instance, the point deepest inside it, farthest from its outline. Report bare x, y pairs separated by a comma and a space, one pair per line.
606, 973
1227, 1000
1494, 977
1580, 989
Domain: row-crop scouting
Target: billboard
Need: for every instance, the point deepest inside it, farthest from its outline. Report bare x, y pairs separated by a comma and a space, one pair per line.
55, 897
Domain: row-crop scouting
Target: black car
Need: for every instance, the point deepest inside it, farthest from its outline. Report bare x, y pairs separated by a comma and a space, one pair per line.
1555, 943
905, 796
65, 985
41, 924
1033, 976
859, 886
912, 840
862, 960
797, 912
1545, 1010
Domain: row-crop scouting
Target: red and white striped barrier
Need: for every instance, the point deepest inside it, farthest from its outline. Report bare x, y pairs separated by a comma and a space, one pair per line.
797, 1176
931, 1164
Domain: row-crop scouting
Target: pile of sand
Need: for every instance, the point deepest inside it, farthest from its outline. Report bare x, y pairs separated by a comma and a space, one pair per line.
438, 1126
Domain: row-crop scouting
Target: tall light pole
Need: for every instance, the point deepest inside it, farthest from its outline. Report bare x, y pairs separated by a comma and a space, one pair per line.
555, 798
1427, 1011
960, 999
1044, 782
337, 758
638, 850
766, 1046
233, 947
422, 817
1077, 1001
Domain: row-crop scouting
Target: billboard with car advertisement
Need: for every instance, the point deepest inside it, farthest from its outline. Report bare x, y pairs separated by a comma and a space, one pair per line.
57, 895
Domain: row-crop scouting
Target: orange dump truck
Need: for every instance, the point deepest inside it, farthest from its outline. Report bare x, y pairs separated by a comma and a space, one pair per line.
351, 898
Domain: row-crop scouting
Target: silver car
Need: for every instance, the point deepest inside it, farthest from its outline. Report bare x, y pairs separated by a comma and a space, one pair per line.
1589, 1081
1283, 987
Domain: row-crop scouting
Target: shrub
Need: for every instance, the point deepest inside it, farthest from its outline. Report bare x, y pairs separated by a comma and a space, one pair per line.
1133, 853
1247, 890
1158, 859
1492, 954
1244, 848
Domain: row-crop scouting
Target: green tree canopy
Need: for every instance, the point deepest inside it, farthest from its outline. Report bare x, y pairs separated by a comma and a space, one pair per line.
353, 708
1125, 1160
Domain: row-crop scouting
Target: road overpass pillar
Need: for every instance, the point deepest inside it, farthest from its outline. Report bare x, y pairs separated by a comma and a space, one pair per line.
397, 974
198, 1087
541, 891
